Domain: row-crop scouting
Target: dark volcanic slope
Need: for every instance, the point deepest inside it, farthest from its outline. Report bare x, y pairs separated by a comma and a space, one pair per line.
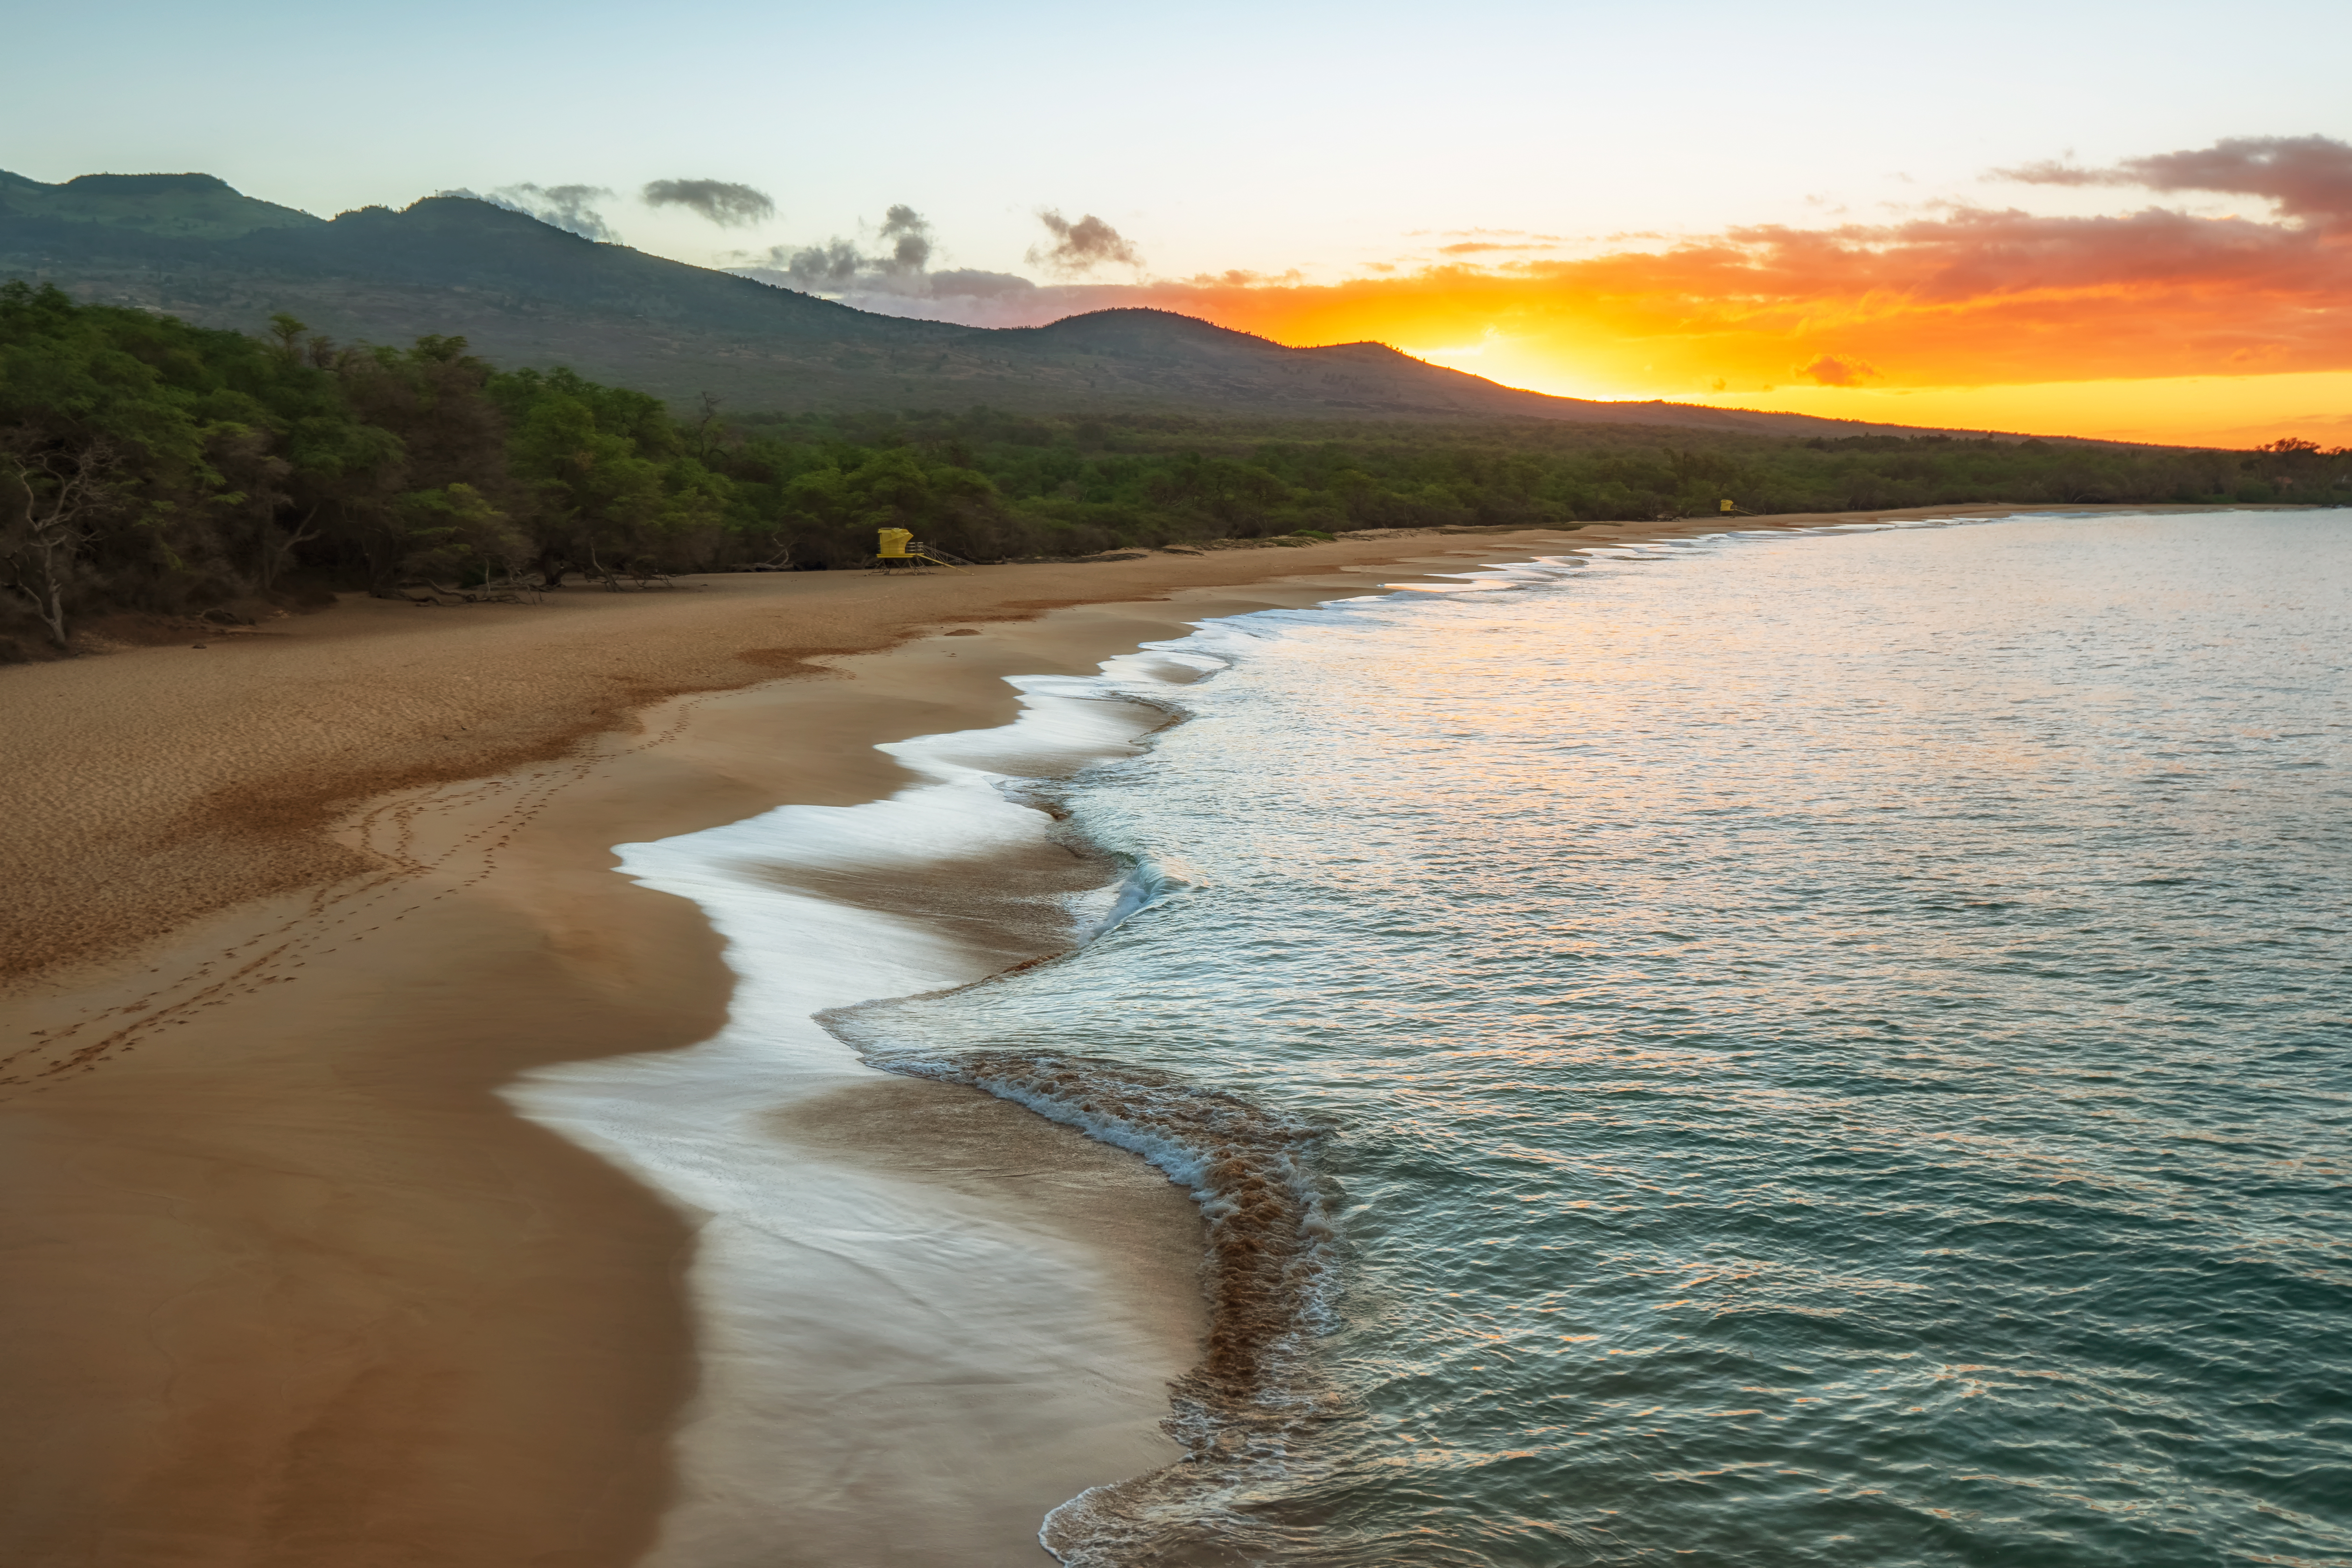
525, 293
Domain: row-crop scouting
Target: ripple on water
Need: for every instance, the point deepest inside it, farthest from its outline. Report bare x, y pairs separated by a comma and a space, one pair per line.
1834, 1048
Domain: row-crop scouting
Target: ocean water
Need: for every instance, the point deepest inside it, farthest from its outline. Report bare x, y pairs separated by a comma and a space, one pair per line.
1776, 1049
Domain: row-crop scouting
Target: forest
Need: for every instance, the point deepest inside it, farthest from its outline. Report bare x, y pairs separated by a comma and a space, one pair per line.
150, 467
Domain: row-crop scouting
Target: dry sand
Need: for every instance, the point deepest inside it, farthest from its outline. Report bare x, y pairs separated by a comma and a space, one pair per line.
289, 1282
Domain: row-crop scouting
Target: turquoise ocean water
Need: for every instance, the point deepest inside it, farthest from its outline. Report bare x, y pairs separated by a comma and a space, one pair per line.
1826, 1048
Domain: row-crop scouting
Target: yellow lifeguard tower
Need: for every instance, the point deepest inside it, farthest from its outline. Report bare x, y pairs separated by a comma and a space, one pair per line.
898, 549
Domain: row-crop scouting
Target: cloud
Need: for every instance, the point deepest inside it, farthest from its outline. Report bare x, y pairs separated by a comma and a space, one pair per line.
816, 267
908, 235
726, 205
1828, 370
1966, 297
562, 207
1243, 278
893, 278
1081, 246
886, 278
2310, 177
1483, 247
559, 206
891, 274
1538, 240
840, 266
968, 284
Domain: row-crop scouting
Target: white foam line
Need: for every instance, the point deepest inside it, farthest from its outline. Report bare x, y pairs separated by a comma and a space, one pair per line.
795, 1255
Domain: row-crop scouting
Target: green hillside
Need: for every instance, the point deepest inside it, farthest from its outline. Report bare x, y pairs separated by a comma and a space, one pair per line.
189, 207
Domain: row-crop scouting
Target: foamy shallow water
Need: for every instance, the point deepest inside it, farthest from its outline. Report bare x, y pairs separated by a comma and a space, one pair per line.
841, 1316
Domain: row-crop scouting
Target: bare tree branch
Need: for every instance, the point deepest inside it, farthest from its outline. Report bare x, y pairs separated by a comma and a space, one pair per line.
60, 495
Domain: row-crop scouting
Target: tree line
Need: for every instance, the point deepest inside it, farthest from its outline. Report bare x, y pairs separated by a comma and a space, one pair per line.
149, 466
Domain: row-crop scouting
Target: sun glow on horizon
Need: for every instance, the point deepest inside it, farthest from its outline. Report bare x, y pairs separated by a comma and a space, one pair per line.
2208, 410
2155, 323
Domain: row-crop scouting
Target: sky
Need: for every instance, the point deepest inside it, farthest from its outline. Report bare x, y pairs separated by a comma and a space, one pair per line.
2089, 219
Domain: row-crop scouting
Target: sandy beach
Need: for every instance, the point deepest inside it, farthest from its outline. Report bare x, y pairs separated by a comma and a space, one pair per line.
294, 1284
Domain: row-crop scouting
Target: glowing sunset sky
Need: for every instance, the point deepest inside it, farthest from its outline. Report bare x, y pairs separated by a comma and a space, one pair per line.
2071, 218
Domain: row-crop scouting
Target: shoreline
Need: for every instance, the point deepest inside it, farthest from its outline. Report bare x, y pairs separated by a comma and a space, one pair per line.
326, 711
297, 1286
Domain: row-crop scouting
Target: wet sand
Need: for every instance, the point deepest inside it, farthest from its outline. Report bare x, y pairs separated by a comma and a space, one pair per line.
291, 1284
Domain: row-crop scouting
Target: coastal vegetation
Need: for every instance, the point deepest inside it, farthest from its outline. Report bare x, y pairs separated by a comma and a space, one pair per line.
151, 467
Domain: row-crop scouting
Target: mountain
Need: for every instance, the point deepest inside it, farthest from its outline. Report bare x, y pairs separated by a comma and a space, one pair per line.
525, 293
189, 207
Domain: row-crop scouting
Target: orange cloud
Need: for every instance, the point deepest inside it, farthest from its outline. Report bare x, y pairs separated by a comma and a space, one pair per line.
1970, 298
1965, 298
1827, 370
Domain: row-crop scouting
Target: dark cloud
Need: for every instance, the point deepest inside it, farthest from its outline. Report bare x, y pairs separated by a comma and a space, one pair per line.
892, 276
728, 206
843, 267
909, 236
818, 267
1081, 246
888, 269
2310, 177
559, 206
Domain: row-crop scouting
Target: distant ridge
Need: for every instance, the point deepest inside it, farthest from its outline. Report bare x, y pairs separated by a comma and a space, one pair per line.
187, 206
525, 293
